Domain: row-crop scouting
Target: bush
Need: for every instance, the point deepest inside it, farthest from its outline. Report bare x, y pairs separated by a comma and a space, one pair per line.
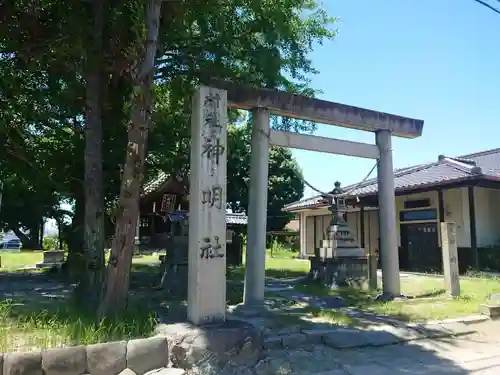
52, 243
489, 258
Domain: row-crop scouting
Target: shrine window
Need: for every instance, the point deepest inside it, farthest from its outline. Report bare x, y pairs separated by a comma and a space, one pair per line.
417, 203
418, 215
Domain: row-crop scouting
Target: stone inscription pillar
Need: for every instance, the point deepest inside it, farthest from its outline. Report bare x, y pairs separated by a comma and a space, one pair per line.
450, 258
207, 207
389, 254
255, 268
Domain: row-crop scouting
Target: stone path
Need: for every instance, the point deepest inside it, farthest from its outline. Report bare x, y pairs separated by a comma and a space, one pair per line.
349, 353
383, 346
473, 354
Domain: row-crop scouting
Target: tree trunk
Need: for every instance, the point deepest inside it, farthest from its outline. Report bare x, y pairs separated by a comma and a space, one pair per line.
73, 235
29, 242
90, 287
42, 227
118, 276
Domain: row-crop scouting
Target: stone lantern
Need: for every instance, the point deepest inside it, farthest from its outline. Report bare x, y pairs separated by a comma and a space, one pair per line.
340, 241
339, 260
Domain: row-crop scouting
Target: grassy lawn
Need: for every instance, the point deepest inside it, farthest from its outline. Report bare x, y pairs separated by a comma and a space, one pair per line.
12, 261
281, 264
429, 301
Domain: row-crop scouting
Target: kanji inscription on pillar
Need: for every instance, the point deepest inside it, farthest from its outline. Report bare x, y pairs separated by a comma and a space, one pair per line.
450, 258
207, 207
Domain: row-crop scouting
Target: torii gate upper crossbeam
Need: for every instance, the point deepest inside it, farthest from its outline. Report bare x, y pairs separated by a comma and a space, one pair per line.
286, 104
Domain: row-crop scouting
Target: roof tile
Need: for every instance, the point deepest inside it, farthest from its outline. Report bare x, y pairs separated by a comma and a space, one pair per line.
442, 171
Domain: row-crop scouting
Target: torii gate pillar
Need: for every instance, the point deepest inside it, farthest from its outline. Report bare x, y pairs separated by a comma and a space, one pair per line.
389, 255
255, 261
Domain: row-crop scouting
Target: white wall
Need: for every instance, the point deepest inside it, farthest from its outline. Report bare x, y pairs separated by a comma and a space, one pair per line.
487, 203
456, 209
487, 209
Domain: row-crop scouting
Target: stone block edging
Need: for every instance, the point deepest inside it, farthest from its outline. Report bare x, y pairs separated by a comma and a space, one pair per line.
133, 357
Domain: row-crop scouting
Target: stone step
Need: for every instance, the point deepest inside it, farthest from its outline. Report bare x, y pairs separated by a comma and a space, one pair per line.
491, 310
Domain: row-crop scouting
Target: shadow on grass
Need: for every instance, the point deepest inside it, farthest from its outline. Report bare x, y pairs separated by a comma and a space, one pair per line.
238, 273
357, 299
436, 293
38, 310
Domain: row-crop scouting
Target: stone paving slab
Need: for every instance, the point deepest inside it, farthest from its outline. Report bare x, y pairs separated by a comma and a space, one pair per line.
332, 372
378, 335
371, 369
432, 330
490, 364
459, 329
345, 338
401, 333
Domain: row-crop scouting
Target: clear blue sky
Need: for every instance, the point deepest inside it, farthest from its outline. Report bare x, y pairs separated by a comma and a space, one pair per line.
437, 60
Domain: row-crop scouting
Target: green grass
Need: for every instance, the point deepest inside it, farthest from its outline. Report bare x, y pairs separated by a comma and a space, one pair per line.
12, 261
281, 264
39, 323
43, 323
59, 323
429, 301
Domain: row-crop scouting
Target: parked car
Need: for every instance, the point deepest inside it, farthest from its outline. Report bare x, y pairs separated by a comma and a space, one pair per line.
11, 244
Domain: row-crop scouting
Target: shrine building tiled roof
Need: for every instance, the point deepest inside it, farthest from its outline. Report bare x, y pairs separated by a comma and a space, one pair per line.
483, 165
155, 183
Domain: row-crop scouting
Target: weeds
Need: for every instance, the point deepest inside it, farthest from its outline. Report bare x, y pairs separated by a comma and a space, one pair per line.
24, 328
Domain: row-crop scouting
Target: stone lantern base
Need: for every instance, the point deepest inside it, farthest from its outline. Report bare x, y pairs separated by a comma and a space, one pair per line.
359, 272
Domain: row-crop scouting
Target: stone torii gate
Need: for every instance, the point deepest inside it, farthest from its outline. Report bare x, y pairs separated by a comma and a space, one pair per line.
207, 232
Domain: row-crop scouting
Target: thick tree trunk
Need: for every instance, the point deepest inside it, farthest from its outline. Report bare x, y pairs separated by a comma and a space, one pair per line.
90, 287
28, 242
118, 277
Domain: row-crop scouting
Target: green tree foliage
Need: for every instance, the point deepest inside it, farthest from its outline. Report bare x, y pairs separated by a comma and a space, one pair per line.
285, 178
44, 51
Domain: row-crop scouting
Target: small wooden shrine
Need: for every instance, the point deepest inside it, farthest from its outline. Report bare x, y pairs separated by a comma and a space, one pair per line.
163, 224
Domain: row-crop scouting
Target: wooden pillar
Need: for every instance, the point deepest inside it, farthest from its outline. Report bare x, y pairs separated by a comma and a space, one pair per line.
472, 221
152, 228
362, 226
316, 249
441, 206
